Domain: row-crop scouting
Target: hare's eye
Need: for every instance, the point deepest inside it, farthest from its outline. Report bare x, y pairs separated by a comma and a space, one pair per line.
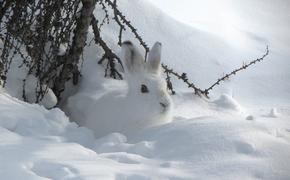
144, 89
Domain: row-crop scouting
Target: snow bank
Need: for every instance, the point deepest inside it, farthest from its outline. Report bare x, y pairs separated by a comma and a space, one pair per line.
208, 139
37, 143
36, 121
227, 102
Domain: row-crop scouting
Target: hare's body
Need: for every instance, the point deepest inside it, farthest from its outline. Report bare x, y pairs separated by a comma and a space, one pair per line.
126, 106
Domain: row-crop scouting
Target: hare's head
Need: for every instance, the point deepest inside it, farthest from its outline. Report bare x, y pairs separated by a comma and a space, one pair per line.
146, 86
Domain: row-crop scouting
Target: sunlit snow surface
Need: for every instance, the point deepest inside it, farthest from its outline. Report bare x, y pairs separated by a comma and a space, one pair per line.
212, 140
242, 132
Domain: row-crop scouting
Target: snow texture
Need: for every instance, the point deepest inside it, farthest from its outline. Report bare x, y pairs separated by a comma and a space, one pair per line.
242, 132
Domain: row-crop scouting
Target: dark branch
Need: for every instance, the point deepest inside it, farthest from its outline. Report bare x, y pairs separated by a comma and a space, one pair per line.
234, 72
184, 78
109, 54
118, 14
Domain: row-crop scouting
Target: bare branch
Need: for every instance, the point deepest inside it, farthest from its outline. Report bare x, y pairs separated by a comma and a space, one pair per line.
118, 14
184, 78
234, 72
109, 54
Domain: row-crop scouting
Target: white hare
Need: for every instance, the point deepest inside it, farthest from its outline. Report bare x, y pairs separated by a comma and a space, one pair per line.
126, 106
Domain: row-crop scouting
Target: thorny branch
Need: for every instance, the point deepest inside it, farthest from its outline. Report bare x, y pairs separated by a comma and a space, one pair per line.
184, 78
122, 27
206, 91
234, 72
118, 14
168, 81
106, 18
109, 54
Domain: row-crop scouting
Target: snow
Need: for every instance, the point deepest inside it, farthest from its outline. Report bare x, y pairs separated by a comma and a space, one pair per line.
14, 86
39, 143
273, 113
227, 102
241, 132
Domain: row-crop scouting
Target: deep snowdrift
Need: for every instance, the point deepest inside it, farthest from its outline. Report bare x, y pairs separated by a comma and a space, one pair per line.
217, 144
242, 134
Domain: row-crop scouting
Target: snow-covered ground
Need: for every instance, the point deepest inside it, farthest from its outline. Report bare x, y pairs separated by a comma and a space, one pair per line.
212, 141
242, 132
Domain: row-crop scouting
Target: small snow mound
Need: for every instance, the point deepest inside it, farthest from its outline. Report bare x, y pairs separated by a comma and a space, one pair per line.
273, 113
123, 157
250, 117
227, 102
36, 121
244, 147
114, 138
131, 177
111, 143
145, 148
116, 142
60, 171
14, 87
49, 99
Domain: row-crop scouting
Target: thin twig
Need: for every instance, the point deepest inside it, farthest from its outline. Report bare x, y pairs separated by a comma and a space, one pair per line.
117, 14
234, 72
184, 78
109, 54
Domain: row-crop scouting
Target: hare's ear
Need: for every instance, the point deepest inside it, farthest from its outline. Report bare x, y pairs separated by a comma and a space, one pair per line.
154, 58
132, 58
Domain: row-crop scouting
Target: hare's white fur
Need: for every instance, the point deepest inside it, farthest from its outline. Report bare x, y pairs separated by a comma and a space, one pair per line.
121, 106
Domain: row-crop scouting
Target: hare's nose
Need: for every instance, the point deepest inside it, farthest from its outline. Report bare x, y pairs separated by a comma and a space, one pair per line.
164, 106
